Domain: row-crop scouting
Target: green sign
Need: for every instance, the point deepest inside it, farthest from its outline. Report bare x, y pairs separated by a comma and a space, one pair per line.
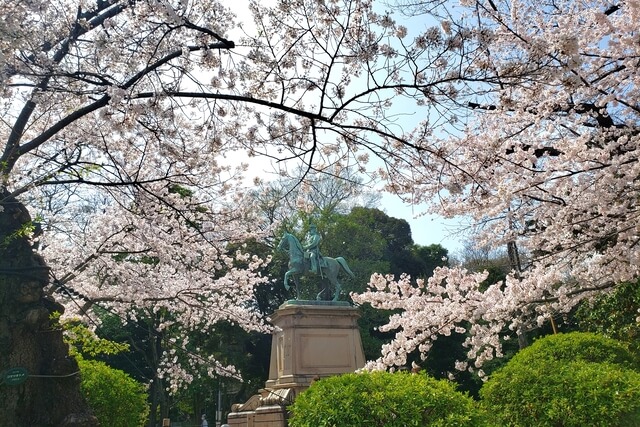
15, 376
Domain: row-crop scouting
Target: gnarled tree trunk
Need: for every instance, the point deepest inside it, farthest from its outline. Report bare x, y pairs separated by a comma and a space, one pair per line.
50, 395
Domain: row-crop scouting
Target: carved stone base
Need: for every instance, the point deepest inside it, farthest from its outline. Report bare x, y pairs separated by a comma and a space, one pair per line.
267, 409
313, 340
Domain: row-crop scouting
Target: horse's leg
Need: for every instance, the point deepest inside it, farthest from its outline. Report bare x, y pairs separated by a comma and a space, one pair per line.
287, 275
297, 282
332, 274
338, 288
324, 289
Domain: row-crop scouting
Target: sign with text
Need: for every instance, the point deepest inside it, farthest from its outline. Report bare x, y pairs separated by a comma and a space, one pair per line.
14, 376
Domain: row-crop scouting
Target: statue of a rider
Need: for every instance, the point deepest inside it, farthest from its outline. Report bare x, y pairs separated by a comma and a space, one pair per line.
312, 250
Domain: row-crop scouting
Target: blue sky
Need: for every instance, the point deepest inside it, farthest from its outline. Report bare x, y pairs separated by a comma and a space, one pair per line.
425, 229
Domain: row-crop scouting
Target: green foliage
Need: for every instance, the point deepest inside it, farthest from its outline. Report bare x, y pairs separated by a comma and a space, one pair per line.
428, 258
495, 262
26, 231
384, 399
576, 379
83, 342
379, 237
139, 338
362, 247
441, 360
584, 346
180, 190
371, 241
614, 315
116, 399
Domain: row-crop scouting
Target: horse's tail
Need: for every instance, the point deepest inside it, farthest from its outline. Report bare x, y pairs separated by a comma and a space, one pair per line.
345, 266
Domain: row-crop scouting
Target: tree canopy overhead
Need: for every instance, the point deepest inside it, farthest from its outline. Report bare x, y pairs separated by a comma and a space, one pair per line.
119, 119
544, 161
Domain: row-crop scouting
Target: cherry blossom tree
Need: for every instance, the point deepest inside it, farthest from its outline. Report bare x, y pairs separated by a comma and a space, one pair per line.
121, 124
544, 162
123, 121
166, 265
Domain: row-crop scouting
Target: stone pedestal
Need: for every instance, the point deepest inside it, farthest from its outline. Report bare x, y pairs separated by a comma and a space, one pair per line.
313, 339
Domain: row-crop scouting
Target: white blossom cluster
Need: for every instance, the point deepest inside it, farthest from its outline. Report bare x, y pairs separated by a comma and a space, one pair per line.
166, 264
546, 160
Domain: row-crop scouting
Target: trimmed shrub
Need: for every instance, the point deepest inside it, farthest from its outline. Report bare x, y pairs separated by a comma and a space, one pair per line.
585, 346
577, 379
117, 400
383, 399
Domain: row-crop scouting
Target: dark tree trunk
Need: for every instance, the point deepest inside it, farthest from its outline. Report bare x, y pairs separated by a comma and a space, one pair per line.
158, 408
50, 395
158, 402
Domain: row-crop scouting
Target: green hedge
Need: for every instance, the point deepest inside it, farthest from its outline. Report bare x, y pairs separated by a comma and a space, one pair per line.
576, 379
385, 400
585, 346
117, 400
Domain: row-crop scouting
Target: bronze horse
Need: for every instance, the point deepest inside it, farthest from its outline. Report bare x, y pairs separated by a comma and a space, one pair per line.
299, 265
